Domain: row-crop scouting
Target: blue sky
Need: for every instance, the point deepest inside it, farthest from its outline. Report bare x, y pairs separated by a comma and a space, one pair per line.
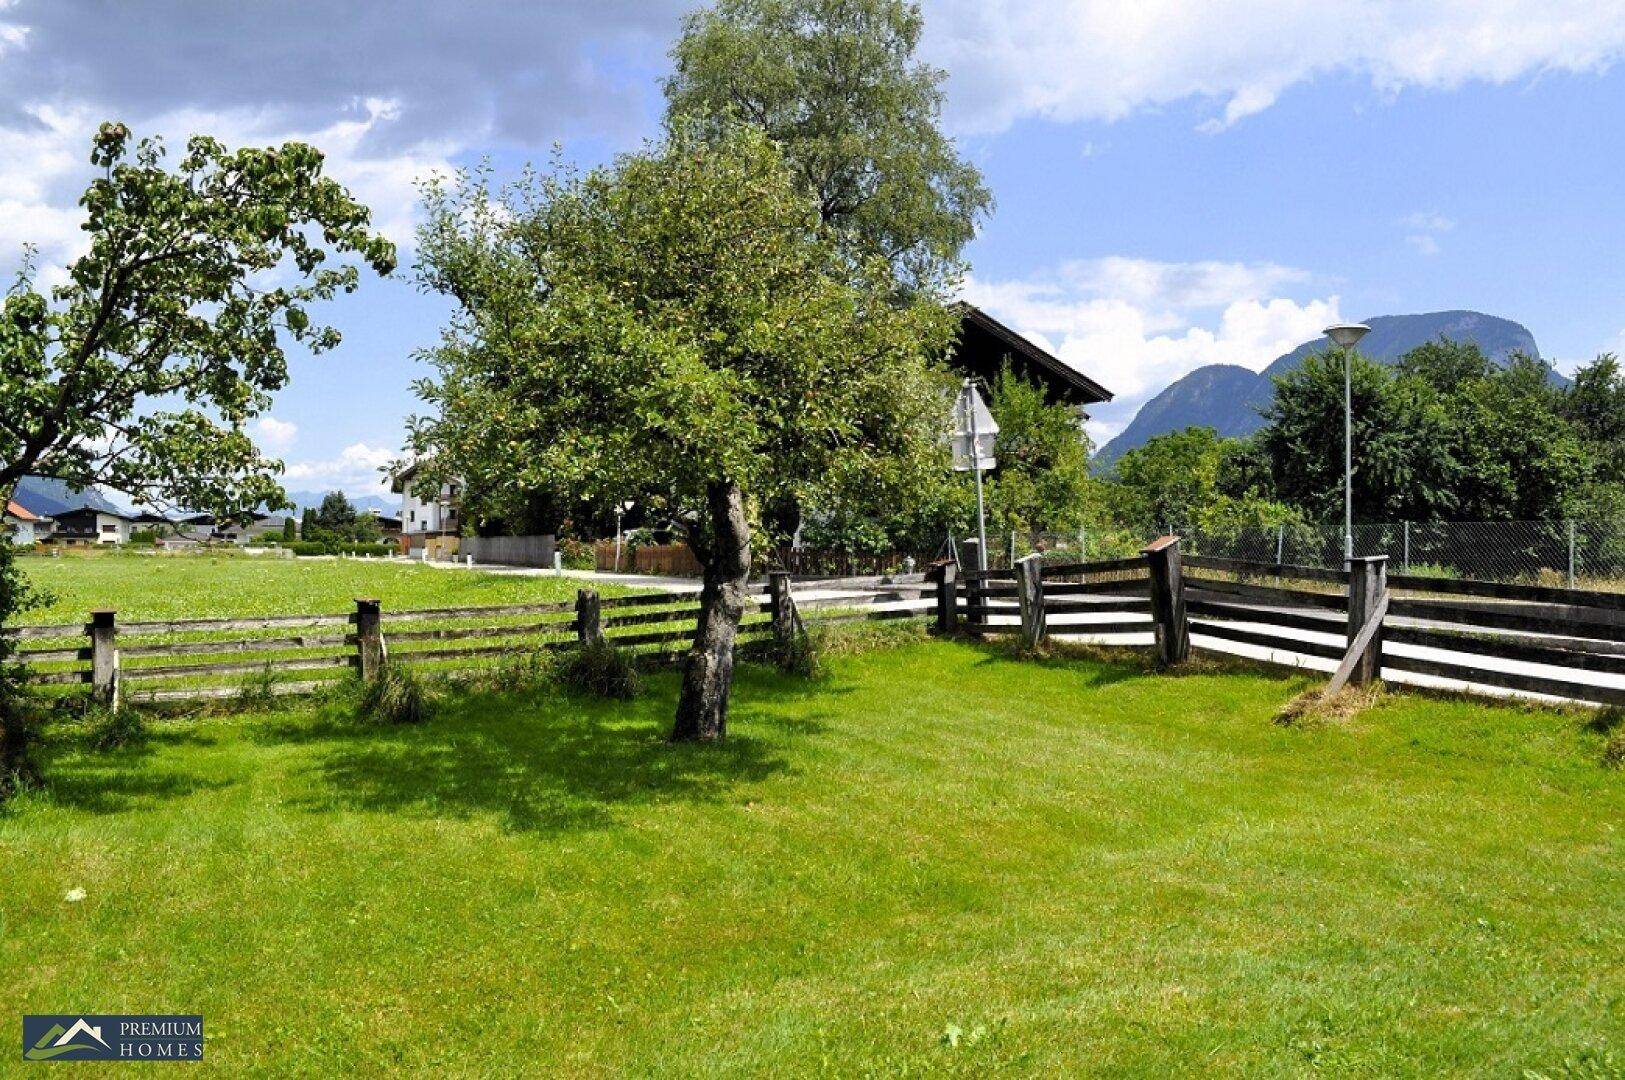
1177, 184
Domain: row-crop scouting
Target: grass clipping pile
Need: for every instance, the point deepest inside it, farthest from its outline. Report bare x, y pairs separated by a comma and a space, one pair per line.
1316, 707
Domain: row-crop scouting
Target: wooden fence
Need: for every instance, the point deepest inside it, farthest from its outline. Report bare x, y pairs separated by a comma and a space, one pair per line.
1363, 624
221, 658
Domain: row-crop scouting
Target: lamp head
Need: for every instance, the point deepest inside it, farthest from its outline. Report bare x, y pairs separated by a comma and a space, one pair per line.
1347, 335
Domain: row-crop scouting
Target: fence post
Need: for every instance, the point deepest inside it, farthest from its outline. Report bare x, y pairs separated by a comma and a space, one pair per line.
784, 619
1406, 565
104, 658
1030, 593
1168, 600
369, 639
1571, 554
589, 617
1368, 585
1280, 545
948, 599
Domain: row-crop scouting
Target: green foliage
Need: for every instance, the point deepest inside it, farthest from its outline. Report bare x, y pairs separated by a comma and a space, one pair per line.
578, 554
258, 690
338, 547
158, 338
799, 654
397, 696
601, 669
19, 719
695, 326
836, 86
290, 530
1445, 434
109, 729
1193, 479
1042, 483
143, 537
337, 522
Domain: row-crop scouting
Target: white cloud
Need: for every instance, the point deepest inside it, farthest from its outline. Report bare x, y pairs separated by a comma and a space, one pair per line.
1135, 325
1425, 226
355, 471
274, 436
1105, 59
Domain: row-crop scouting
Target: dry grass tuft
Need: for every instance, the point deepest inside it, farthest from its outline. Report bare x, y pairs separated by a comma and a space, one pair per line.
1314, 707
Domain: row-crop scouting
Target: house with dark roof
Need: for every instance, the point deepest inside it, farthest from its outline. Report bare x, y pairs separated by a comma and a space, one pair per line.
985, 344
88, 525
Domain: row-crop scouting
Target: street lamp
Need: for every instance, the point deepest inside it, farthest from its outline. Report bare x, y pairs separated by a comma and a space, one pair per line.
974, 431
1345, 336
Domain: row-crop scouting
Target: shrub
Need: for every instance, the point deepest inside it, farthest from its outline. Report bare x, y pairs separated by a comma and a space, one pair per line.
397, 696
519, 671
578, 555
336, 547
107, 729
20, 732
259, 689
602, 670
801, 654
144, 537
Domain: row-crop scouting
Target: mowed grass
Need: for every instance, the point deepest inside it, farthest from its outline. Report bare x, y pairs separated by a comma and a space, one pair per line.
939, 860
160, 587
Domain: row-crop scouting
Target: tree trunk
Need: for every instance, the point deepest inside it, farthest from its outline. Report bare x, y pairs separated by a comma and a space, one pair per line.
702, 710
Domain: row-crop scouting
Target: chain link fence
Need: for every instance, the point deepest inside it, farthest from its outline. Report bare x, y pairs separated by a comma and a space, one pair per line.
1588, 554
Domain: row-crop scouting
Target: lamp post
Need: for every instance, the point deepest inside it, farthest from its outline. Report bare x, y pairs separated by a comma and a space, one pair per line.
974, 430
1345, 336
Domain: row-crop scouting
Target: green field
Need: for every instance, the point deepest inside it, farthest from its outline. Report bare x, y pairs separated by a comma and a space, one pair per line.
203, 586
939, 860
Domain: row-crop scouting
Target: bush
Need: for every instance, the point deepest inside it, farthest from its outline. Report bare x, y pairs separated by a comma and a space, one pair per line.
519, 671
802, 654
397, 696
144, 537
20, 732
578, 555
335, 547
258, 690
602, 670
107, 729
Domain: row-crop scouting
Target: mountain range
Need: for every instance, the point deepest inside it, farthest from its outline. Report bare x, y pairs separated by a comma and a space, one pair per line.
1229, 398
42, 495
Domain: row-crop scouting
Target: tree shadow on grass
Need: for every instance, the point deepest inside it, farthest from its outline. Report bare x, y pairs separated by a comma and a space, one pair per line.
1096, 665
539, 762
125, 778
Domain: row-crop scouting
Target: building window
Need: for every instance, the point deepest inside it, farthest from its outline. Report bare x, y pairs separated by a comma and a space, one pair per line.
110, 528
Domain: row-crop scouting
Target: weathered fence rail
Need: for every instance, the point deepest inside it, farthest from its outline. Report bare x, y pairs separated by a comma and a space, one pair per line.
214, 658
1360, 625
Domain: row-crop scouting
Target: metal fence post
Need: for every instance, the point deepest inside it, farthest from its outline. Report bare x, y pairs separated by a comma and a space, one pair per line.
948, 599
1368, 585
1280, 545
369, 639
1168, 600
1030, 594
1406, 565
1571, 554
104, 657
589, 617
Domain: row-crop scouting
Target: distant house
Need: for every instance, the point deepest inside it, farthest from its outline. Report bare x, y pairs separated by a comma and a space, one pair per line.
422, 517
88, 525
262, 526
985, 344
148, 521
23, 525
389, 528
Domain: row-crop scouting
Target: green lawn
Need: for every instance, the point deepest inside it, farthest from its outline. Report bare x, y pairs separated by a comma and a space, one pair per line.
202, 586
940, 859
